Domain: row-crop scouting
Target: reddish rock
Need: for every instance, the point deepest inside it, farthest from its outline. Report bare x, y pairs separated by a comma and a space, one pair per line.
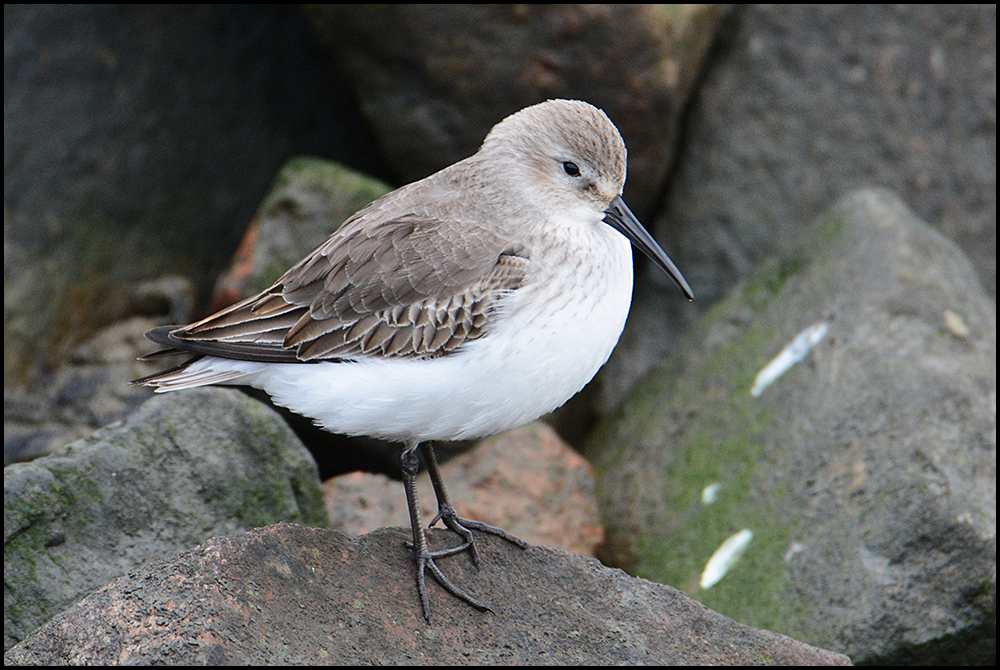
527, 481
288, 594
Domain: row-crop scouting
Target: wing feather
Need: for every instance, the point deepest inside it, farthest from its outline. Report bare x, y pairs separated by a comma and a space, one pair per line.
406, 287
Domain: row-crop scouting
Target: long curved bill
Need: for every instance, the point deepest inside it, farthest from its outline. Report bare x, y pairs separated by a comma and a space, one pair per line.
621, 218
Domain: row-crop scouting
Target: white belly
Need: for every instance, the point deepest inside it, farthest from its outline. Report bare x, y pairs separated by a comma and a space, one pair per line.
550, 339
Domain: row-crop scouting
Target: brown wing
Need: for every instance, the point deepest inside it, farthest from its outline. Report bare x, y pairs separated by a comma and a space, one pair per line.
411, 286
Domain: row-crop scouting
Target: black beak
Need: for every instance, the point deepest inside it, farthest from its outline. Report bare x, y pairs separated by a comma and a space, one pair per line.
621, 218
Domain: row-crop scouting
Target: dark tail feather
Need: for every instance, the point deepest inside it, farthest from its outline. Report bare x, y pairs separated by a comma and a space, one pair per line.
145, 381
162, 353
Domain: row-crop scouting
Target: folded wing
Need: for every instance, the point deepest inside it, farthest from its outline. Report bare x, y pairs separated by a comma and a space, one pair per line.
412, 286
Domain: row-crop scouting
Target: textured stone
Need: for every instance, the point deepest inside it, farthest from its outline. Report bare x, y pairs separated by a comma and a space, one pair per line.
288, 595
866, 472
183, 468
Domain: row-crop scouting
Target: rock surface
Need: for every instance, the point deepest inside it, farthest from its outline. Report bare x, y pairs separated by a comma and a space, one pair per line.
90, 391
293, 595
799, 105
433, 79
183, 468
866, 472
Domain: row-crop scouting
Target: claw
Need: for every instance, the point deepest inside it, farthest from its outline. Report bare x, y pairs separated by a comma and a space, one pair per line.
427, 561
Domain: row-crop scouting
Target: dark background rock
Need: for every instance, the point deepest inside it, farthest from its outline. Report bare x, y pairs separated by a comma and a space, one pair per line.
802, 104
138, 140
433, 79
91, 390
292, 595
183, 468
866, 473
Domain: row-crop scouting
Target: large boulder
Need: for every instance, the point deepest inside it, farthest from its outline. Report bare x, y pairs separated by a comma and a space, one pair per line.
288, 595
865, 473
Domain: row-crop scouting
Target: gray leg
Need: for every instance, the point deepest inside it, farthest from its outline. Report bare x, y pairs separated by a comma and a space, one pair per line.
421, 552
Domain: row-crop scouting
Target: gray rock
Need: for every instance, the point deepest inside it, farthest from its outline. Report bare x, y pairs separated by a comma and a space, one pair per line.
801, 104
866, 473
91, 390
183, 468
798, 105
128, 158
433, 79
299, 596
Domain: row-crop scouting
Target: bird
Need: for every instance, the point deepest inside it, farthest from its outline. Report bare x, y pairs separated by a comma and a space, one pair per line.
458, 306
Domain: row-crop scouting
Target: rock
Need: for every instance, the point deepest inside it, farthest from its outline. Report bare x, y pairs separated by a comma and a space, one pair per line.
308, 201
866, 472
91, 390
433, 80
127, 158
526, 481
292, 595
183, 468
791, 114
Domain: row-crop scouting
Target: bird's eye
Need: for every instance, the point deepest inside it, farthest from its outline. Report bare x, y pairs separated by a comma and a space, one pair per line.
571, 168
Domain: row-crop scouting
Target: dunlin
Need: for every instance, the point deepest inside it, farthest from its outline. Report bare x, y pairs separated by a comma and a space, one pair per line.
455, 307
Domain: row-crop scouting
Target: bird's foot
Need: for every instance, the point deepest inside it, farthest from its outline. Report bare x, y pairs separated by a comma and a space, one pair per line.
425, 561
464, 527
423, 556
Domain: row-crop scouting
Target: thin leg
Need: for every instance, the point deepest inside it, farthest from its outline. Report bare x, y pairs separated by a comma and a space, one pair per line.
447, 513
421, 552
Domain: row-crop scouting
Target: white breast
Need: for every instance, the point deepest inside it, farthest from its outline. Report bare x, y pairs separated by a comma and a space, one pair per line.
549, 339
